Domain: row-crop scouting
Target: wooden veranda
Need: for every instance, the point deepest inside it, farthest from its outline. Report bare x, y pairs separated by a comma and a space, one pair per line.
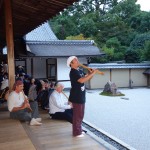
51, 135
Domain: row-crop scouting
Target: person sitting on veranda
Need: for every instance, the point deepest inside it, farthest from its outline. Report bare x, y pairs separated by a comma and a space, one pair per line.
19, 106
4, 89
32, 94
4, 83
59, 108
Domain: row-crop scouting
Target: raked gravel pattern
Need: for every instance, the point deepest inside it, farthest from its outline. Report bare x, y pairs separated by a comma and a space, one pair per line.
125, 117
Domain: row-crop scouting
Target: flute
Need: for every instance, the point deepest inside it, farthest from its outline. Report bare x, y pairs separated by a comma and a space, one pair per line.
67, 98
89, 69
29, 108
65, 95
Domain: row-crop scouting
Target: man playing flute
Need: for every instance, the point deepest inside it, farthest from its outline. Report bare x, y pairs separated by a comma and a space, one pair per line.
19, 106
77, 93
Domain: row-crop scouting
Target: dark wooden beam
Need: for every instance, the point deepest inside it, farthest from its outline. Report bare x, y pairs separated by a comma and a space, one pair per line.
10, 42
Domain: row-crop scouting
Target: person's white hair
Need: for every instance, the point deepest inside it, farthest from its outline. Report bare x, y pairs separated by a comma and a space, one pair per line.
59, 84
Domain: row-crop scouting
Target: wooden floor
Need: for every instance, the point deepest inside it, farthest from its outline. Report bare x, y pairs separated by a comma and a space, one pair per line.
12, 134
51, 135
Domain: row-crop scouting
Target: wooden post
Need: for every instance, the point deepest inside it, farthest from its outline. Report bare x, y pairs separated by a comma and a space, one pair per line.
110, 74
130, 79
10, 42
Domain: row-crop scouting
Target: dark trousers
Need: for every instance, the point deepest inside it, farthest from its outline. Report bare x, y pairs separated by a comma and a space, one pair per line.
66, 115
78, 114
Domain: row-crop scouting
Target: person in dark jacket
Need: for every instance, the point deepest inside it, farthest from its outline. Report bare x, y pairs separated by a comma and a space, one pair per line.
77, 93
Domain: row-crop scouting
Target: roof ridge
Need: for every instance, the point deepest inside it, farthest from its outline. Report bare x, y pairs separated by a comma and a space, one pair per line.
63, 42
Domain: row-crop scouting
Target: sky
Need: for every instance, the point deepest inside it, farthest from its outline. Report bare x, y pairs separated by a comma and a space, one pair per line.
144, 4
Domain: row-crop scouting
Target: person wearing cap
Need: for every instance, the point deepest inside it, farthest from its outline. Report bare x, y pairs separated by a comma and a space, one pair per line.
19, 106
77, 93
59, 107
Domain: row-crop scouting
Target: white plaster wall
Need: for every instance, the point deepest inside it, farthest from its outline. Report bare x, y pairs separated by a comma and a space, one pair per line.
120, 77
99, 81
63, 70
139, 79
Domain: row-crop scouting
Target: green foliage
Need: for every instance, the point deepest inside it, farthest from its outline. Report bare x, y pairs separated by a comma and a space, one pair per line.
146, 52
61, 24
119, 56
110, 94
109, 53
132, 56
113, 42
126, 8
78, 37
141, 22
87, 26
99, 59
114, 25
139, 41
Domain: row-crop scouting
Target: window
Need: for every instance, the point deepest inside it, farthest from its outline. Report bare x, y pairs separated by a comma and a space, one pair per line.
51, 69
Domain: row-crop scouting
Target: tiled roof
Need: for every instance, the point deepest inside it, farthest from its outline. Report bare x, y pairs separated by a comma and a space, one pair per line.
119, 66
147, 71
64, 48
41, 33
43, 43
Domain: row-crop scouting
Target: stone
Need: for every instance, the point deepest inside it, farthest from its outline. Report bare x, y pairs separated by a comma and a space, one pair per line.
111, 87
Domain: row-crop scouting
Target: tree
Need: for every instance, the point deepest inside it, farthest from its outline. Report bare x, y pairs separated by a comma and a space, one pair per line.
61, 24
140, 22
109, 53
77, 37
112, 24
132, 56
113, 43
139, 41
146, 52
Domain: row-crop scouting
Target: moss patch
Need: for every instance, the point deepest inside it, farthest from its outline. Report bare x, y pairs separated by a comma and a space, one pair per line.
110, 94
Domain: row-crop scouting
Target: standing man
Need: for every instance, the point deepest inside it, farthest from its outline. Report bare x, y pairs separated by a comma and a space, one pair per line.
77, 93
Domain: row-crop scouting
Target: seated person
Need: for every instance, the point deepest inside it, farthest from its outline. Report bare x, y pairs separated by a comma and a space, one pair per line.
32, 94
4, 83
59, 108
45, 95
4, 90
19, 106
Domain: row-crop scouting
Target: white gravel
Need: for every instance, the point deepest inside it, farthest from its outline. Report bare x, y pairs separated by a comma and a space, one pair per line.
127, 120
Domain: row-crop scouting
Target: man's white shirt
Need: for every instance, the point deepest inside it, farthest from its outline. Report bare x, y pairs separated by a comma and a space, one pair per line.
58, 103
15, 100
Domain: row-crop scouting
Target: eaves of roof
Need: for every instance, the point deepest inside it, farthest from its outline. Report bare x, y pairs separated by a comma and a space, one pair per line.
147, 71
61, 42
64, 48
29, 14
120, 66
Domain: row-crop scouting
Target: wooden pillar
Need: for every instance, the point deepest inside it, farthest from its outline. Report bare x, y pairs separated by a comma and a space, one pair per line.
130, 80
10, 42
110, 74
